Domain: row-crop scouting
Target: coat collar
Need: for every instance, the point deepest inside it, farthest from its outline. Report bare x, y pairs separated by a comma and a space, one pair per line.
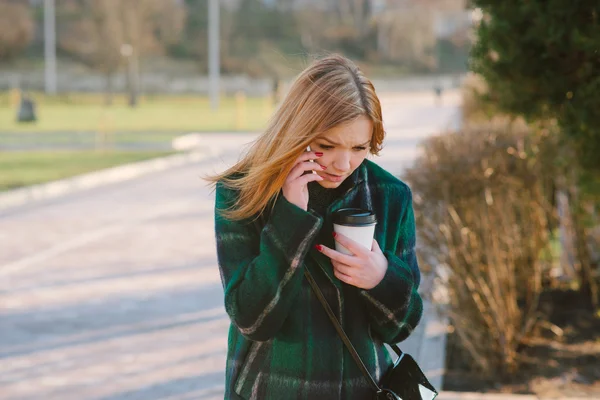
358, 193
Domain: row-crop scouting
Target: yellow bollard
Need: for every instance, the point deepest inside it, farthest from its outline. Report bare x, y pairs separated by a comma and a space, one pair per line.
240, 111
14, 97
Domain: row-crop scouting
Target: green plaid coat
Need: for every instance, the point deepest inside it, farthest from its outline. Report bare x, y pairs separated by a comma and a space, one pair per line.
281, 343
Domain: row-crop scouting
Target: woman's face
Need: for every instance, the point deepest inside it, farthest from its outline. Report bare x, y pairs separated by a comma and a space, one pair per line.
344, 148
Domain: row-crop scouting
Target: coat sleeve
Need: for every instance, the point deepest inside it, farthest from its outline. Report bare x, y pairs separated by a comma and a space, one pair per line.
394, 305
261, 271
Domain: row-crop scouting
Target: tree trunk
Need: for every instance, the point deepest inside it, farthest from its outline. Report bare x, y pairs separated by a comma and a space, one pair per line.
566, 234
589, 286
359, 10
133, 80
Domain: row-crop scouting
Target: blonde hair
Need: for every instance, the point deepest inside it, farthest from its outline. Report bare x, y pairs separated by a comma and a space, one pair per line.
330, 92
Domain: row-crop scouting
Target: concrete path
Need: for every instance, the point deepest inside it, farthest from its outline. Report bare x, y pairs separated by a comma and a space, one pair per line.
114, 293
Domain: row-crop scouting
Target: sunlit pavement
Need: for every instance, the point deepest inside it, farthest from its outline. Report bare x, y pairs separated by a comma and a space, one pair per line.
114, 293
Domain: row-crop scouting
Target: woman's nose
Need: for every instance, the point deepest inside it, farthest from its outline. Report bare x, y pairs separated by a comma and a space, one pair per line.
342, 162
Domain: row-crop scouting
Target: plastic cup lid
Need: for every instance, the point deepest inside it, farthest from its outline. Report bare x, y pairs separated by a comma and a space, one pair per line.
354, 217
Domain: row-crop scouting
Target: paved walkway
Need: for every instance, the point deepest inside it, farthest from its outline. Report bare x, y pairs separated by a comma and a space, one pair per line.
114, 293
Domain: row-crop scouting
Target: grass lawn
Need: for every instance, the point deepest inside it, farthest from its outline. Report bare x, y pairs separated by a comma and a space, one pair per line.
19, 169
78, 120
83, 112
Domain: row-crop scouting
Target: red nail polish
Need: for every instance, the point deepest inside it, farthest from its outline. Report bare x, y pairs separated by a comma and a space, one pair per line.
334, 234
318, 154
318, 247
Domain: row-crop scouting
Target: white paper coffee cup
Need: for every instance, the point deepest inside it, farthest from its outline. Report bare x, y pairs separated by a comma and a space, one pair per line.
356, 224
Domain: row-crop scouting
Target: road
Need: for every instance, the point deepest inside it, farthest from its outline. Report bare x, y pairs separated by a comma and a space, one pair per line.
114, 293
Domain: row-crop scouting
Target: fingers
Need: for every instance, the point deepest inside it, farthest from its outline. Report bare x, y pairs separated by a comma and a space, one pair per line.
304, 163
306, 158
343, 277
309, 155
337, 256
302, 167
354, 247
375, 247
342, 268
344, 273
304, 179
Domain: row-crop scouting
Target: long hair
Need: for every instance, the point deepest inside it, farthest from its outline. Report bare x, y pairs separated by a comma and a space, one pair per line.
330, 92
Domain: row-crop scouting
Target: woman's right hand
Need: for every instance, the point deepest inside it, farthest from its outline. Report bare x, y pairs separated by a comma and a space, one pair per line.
294, 188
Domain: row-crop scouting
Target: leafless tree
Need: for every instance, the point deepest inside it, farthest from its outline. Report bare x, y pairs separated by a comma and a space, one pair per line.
16, 28
109, 34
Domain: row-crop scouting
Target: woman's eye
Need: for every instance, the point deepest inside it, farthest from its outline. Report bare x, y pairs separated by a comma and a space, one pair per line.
327, 147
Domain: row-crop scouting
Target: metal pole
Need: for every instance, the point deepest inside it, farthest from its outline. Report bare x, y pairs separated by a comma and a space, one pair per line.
50, 46
213, 52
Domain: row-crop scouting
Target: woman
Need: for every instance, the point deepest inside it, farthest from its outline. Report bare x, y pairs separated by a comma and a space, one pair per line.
273, 219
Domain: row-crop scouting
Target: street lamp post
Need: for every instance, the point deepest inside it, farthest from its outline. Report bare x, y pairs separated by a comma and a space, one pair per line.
50, 46
213, 52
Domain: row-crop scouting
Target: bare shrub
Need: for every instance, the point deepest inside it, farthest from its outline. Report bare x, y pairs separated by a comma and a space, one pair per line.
576, 190
16, 28
481, 201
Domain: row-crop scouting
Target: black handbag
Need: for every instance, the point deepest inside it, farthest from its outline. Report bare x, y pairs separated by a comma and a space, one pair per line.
403, 381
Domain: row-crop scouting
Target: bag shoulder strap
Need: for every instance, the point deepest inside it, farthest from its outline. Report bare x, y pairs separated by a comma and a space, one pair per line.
341, 332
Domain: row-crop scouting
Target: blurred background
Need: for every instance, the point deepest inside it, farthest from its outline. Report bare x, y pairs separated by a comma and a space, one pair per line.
112, 110
135, 74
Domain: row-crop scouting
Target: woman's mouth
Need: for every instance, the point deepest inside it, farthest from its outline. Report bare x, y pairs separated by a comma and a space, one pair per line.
333, 178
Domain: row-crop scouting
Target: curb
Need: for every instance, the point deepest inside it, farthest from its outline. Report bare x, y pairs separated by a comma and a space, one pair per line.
432, 351
498, 396
120, 173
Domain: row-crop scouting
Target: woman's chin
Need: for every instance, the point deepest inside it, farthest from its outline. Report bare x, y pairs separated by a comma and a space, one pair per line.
329, 184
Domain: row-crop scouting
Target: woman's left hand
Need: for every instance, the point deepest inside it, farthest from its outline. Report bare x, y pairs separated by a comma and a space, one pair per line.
364, 269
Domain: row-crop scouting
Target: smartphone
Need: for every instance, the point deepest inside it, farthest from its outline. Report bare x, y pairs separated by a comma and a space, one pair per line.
309, 149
